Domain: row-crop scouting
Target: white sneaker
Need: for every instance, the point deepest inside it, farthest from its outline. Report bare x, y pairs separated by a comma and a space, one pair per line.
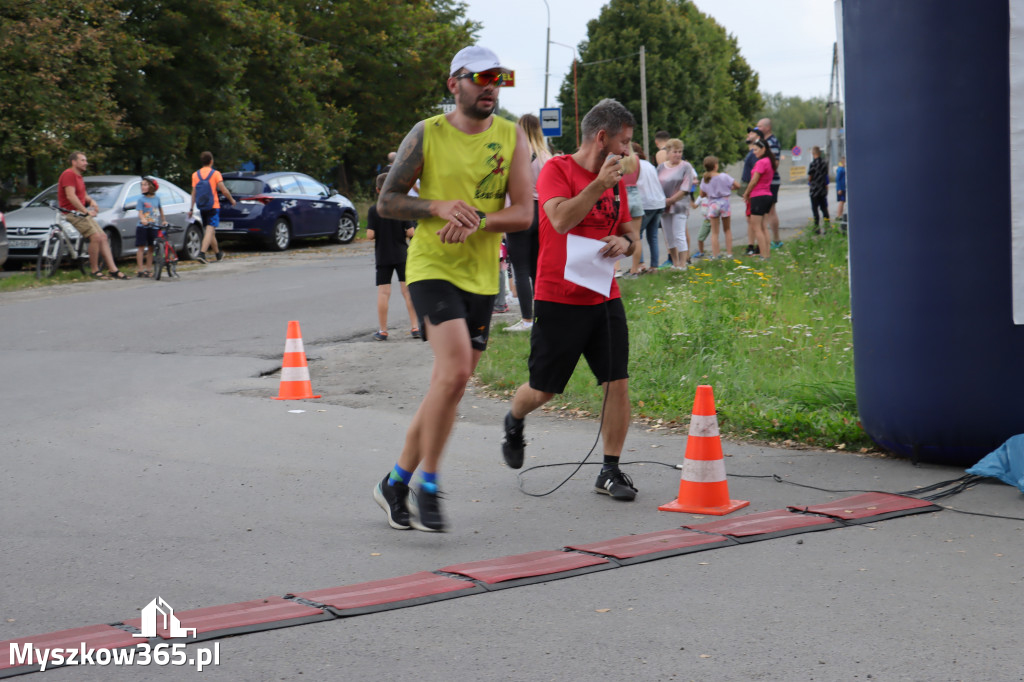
520, 326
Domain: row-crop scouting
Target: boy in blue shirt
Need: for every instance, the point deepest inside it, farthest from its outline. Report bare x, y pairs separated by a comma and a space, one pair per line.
149, 208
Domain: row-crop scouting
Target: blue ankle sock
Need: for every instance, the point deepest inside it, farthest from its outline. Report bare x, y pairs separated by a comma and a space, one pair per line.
399, 474
429, 481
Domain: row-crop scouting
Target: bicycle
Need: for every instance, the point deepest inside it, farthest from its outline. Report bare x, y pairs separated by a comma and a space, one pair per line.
164, 254
59, 243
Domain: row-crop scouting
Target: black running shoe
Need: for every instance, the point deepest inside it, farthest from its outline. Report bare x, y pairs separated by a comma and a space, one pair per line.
751, 250
425, 511
202, 258
391, 499
615, 483
220, 256
513, 447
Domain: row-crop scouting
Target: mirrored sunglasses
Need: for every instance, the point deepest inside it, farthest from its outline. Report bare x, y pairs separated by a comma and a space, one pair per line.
498, 78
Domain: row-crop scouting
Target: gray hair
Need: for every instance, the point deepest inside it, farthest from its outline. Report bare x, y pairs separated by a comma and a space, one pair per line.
607, 115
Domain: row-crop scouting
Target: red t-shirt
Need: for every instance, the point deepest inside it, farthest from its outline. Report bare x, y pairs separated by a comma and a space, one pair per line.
563, 177
70, 178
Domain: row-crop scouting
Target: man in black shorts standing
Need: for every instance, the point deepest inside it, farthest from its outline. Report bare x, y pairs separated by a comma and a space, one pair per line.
582, 195
466, 161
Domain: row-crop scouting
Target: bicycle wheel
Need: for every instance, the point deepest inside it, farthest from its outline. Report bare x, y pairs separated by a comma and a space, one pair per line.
50, 255
158, 259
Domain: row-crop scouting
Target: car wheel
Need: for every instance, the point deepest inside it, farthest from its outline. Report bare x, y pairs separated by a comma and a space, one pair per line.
115, 243
193, 242
282, 235
346, 229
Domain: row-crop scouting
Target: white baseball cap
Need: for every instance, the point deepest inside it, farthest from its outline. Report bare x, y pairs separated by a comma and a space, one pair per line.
476, 59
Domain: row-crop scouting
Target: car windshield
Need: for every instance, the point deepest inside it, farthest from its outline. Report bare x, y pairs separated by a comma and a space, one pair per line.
104, 193
243, 187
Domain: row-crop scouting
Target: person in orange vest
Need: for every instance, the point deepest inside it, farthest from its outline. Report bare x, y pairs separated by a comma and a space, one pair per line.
207, 184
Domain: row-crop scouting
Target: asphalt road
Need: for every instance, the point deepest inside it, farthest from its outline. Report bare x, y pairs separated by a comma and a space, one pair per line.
143, 455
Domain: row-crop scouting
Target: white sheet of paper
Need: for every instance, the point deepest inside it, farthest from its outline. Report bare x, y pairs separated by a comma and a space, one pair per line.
585, 266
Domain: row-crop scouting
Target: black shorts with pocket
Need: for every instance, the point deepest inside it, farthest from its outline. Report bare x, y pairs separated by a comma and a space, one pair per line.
562, 333
761, 205
439, 301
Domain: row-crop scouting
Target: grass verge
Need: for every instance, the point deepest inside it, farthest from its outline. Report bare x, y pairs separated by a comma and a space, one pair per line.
773, 338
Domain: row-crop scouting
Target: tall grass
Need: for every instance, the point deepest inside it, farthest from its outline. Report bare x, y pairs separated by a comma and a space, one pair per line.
773, 338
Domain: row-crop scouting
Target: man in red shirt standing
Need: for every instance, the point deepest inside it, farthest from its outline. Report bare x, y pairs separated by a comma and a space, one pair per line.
71, 196
582, 195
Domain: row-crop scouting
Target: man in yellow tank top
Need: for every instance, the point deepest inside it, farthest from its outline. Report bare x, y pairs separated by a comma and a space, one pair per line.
466, 162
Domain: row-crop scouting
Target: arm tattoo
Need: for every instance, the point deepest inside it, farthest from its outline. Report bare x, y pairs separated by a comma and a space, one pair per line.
395, 201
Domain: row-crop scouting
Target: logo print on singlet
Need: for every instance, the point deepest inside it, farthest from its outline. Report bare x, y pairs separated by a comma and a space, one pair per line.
493, 185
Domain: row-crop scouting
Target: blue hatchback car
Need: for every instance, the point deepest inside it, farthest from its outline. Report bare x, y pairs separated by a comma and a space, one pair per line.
281, 207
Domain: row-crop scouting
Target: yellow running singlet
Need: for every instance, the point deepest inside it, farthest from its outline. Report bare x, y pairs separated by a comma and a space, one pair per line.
473, 168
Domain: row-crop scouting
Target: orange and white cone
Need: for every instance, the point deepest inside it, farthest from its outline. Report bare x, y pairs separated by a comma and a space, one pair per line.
703, 488
295, 383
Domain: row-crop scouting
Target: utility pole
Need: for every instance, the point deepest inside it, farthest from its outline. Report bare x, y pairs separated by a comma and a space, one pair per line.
547, 56
643, 93
831, 113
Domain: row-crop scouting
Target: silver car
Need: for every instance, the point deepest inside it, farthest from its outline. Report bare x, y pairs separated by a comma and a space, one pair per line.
117, 196
3, 239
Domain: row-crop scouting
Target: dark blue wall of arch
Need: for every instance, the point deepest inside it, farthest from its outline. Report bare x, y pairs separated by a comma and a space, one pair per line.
939, 363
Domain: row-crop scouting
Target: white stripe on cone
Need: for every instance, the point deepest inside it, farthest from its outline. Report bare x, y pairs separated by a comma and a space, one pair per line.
703, 471
293, 346
295, 374
704, 425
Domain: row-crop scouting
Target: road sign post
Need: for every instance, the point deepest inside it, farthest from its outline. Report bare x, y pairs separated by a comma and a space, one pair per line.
551, 122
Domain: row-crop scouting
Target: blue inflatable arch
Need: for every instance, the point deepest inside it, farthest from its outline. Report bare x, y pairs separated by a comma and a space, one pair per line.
939, 359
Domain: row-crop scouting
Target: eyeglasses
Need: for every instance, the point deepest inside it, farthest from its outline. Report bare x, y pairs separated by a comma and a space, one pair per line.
484, 79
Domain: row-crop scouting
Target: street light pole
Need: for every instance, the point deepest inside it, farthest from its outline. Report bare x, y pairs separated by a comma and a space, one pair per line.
547, 56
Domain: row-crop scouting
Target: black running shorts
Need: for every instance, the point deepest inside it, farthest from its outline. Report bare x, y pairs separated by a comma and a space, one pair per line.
562, 333
438, 300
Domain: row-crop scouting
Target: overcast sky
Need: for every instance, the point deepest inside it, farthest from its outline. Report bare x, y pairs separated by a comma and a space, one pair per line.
788, 42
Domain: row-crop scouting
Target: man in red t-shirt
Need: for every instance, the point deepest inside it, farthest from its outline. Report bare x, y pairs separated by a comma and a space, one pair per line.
583, 195
71, 196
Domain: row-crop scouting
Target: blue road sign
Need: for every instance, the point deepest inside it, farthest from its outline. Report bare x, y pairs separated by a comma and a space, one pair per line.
551, 122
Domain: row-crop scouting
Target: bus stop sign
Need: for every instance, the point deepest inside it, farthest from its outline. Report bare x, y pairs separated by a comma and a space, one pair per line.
551, 122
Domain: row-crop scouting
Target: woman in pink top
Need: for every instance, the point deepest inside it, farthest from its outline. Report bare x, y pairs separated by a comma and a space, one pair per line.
759, 194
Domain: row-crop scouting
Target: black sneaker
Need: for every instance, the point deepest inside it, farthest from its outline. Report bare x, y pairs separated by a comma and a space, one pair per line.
751, 250
391, 499
615, 483
513, 446
425, 511
202, 258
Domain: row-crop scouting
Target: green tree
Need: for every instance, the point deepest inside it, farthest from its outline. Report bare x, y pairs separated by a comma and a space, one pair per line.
324, 86
57, 65
395, 56
789, 114
699, 87
233, 77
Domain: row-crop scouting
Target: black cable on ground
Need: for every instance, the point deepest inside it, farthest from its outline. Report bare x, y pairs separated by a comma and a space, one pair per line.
962, 484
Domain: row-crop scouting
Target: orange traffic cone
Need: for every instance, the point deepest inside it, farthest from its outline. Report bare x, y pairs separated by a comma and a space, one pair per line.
703, 488
295, 383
